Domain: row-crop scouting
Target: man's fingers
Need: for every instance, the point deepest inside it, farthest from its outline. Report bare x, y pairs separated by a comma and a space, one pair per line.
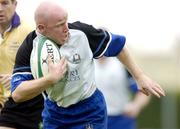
1, 76
155, 93
5, 80
49, 60
7, 86
150, 91
63, 65
63, 60
145, 91
159, 90
154, 90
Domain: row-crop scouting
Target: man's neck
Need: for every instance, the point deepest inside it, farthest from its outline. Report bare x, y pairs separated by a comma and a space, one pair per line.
4, 27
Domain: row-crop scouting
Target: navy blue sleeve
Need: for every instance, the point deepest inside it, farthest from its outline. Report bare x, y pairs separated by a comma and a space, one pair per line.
101, 41
115, 46
18, 78
132, 83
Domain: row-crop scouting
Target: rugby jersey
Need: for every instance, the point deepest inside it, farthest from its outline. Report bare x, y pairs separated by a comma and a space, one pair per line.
115, 83
85, 43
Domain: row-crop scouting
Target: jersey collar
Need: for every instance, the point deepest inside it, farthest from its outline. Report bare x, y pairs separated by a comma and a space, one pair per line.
15, 20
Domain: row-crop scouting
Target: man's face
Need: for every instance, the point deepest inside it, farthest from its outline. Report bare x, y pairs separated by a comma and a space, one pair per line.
7, 9
57, 29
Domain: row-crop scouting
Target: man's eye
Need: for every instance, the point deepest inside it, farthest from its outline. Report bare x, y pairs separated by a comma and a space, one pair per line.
5, 3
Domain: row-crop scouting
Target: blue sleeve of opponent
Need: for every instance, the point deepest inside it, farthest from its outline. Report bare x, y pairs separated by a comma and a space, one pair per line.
133, 85
18, 78
115, 46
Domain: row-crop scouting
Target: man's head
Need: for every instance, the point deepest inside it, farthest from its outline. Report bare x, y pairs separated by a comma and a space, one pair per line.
7, 10
51, 21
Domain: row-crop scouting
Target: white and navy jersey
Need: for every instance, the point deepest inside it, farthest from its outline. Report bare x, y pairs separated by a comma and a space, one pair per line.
84, 44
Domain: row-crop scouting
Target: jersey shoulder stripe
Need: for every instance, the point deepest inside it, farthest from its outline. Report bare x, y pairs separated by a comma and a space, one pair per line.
98, 39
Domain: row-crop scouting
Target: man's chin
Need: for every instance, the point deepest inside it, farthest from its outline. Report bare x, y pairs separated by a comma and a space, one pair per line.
2, 21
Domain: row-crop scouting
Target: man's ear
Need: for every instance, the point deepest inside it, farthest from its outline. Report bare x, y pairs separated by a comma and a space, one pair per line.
15, 2
41, 28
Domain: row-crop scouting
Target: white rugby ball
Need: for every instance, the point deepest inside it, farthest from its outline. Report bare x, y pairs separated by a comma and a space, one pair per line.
39, 56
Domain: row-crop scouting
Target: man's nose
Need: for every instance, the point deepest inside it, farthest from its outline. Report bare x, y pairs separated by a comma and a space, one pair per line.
66, 29
1, 7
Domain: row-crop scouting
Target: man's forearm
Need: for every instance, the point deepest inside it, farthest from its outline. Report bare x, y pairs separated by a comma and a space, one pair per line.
30, 89
126, 59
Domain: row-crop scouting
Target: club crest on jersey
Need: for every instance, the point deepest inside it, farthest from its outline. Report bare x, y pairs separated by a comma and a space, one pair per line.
73, 75
76, 58
13, 46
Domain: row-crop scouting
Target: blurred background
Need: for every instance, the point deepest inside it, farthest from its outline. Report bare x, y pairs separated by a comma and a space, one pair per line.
152, 29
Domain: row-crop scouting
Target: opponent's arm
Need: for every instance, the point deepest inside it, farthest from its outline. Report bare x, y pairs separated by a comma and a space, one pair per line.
133, 108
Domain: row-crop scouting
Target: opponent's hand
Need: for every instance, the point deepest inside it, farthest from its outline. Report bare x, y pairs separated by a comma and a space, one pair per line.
131, 110
57, 70
148, 86
5, 80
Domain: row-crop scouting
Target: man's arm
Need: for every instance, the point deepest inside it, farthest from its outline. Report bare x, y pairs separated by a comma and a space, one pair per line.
31, 88
146, 84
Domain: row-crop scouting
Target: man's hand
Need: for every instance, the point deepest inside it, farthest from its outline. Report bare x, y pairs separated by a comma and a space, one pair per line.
5, 80
148, 86
131, 110
134, 107
56, 70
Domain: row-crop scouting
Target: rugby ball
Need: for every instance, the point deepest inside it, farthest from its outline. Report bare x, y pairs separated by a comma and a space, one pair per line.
39, 56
